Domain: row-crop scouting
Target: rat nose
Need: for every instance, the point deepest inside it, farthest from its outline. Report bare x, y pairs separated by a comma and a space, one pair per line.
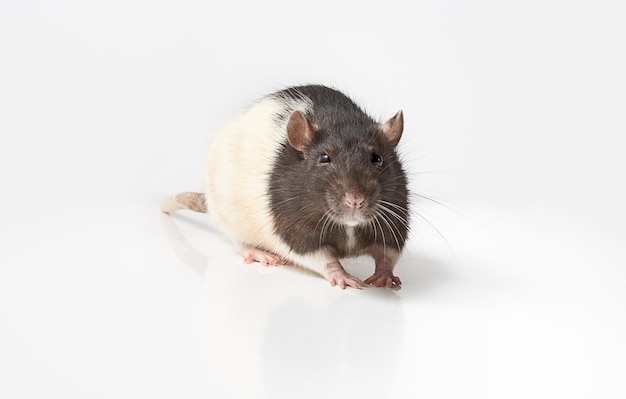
354, 200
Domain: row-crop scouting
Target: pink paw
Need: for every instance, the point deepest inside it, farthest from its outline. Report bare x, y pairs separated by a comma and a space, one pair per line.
384, 279
264, 258
337, 276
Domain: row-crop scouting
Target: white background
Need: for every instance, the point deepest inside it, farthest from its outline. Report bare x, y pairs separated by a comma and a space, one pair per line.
515, 123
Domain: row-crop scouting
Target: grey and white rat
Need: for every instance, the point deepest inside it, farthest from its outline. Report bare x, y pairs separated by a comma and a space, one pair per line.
305, 177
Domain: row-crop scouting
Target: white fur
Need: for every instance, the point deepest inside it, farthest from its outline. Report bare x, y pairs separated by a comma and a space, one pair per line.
240, 162
351, 237
316, 261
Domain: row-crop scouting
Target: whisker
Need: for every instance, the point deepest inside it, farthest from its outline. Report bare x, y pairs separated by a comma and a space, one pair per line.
401, 219
439, 233
373, 226
395, 178
445, 205
324, 218
328, 226
286, 200
438, 172
382, 232
384, 218
397, 206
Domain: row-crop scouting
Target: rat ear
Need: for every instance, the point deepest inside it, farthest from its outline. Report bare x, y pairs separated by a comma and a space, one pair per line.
300, 131
392, 129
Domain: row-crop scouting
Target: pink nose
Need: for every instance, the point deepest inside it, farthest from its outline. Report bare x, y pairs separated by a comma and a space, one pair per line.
355, 201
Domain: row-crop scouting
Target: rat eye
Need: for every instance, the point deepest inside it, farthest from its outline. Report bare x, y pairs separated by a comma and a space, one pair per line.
324, 158
377, 160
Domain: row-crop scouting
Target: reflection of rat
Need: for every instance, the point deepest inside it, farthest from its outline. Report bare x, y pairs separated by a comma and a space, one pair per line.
306, 177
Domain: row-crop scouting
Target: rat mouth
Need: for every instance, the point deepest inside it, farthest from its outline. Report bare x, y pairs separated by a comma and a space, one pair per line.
350, 209
354, 218
352, 222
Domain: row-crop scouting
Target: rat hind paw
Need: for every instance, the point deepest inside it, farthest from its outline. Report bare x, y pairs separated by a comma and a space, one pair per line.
265, 258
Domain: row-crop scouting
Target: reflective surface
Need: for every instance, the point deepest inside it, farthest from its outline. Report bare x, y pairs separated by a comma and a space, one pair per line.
118, 300
514, 281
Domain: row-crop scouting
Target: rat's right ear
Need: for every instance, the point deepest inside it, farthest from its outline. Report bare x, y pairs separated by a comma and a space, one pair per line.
300, 131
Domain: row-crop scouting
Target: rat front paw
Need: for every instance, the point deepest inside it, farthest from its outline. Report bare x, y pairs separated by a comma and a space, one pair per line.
337, 276
345, 281
384, 279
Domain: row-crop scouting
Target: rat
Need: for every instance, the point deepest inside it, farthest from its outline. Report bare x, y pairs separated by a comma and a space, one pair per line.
305, 177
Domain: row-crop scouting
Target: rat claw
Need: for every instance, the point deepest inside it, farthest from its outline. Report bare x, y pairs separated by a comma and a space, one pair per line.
358, 284
384, 280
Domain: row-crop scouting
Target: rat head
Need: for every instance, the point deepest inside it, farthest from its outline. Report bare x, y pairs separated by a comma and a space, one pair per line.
352, 167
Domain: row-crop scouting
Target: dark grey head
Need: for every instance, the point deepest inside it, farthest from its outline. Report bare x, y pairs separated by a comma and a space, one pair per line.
337, 172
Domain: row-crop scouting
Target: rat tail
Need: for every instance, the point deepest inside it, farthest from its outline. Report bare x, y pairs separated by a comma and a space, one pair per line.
193, 201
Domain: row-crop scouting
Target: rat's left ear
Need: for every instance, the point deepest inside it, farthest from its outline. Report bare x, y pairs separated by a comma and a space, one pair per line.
392, 129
